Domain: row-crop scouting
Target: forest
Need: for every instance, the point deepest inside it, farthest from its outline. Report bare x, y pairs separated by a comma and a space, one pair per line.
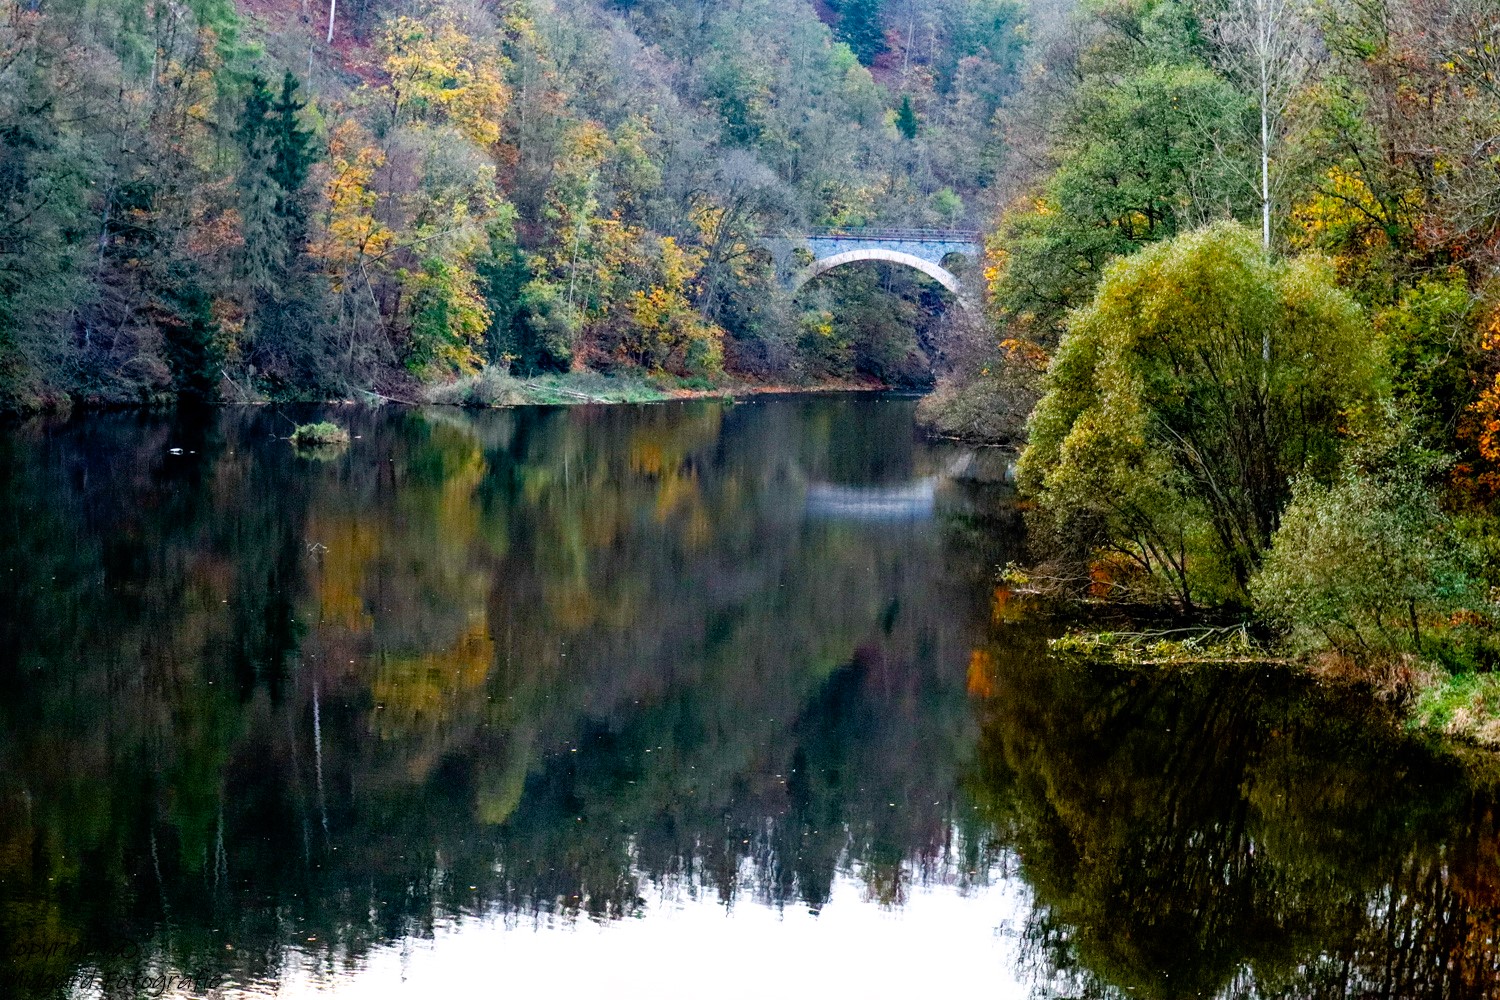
279, 201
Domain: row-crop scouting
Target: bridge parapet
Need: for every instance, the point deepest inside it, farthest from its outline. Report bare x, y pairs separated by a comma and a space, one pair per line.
929, 244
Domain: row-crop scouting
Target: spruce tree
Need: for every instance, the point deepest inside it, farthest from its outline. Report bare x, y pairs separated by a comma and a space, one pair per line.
860, 27
906, 118
263, 258
293, 152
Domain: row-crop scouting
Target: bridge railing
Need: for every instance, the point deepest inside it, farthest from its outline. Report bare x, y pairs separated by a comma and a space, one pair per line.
890, 233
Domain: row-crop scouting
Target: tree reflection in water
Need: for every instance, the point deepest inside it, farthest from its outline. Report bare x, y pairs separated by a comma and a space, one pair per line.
1236, 833
549, 665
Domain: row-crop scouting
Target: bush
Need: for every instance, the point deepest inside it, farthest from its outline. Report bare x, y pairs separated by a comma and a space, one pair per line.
1364, 565
490, 386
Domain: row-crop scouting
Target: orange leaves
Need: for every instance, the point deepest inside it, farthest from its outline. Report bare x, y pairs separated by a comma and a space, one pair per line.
1025, 354
1481, 425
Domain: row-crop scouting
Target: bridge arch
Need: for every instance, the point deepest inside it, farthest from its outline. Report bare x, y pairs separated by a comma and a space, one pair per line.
936, 272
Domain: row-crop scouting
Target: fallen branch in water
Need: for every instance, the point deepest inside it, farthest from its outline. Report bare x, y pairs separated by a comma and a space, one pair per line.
1160, 647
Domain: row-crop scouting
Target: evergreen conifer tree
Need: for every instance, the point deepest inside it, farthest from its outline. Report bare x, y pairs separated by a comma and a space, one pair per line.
859, 25
906, 118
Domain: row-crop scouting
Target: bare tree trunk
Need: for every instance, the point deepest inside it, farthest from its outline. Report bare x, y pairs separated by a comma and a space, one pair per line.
333, 5
911, 29
1265, 44
1265, 159
1265, 166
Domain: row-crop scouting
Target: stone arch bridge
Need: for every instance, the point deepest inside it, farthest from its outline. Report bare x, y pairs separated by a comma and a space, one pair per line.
926, 250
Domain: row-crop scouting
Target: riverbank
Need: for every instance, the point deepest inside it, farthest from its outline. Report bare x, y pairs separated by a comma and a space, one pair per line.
492, 387
1461, 706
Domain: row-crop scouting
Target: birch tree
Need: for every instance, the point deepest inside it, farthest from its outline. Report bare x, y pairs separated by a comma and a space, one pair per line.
1268, 46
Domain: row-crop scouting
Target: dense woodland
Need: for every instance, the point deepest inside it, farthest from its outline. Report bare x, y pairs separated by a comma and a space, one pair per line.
1242, 306
284, 200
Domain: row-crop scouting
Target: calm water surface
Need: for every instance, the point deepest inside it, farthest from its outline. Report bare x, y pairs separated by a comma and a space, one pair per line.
682, 700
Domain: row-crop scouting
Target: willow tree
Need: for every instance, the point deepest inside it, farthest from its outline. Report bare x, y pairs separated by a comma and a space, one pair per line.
1168, 436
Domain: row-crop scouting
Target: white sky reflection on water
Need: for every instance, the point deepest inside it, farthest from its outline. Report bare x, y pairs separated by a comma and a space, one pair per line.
939, 941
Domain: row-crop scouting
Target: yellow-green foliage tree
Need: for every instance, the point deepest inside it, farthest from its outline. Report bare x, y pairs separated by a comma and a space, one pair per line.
438, 74
1183, 400
664, 329
411, 205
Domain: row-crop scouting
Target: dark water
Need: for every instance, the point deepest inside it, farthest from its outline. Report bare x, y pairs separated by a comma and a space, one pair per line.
680, 700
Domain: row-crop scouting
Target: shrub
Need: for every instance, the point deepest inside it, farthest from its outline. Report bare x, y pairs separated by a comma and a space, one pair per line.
490, 386
1359, 565
323, 433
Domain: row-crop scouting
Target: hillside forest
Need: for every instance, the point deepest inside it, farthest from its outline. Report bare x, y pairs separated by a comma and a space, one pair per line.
293, 200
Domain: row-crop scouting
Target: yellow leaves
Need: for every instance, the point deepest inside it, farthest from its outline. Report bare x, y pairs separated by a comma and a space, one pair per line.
438, 74
667, 330
1025, 353
679, 266
351, 234
587, 146
656, 307
1342, 202
818, 324
707, 218
653, 308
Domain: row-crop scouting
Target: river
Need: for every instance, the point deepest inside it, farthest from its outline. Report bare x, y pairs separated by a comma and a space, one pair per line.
674, 700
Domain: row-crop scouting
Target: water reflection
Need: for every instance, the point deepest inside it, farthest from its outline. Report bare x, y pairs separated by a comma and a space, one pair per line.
599, 676
1236, 833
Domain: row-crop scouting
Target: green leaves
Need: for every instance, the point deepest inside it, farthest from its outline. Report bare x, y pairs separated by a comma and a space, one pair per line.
1358, 564
1184, 399
1142, 158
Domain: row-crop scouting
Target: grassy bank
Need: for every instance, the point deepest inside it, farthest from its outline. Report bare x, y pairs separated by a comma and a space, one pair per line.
492, 387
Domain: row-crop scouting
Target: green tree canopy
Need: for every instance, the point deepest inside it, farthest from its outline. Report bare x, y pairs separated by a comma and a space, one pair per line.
1184, 399
1141, 158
